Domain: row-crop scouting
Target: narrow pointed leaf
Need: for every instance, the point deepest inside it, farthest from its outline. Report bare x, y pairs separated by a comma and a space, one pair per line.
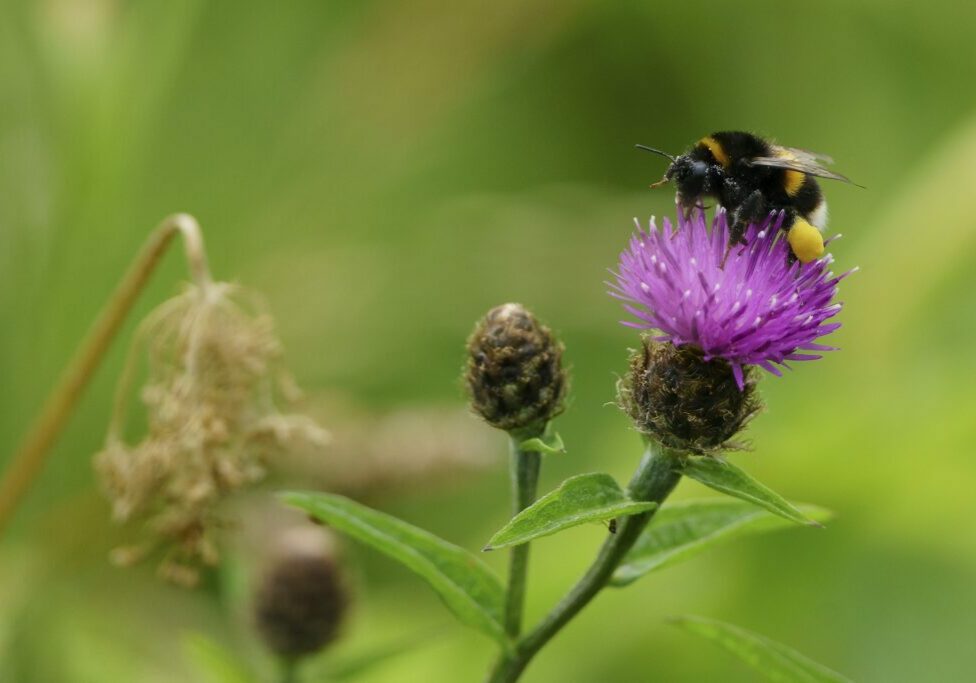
547, 444
214, 663
580, 499
352, 666
725, 477
462, 581
682, 530
775, 661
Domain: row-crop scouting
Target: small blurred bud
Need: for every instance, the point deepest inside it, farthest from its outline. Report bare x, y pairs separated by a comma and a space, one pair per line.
301, 600
689, 404
514, 371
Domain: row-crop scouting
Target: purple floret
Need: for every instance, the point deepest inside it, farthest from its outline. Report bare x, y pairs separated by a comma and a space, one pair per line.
758, 309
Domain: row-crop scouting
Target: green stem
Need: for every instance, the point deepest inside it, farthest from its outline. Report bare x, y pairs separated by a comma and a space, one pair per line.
654, 480
289, 670
524, 470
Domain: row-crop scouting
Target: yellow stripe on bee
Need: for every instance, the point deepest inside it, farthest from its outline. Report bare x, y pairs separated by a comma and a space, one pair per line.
793, 181
805, 241
715, 147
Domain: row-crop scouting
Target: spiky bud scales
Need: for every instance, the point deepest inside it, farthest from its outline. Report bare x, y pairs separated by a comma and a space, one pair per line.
688, 403
514, 371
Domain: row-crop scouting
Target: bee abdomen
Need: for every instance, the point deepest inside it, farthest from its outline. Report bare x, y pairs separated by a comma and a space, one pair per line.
818, 217
793, 182
807, 196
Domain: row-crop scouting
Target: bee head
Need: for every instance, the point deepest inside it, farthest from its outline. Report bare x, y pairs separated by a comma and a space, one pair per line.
692, 177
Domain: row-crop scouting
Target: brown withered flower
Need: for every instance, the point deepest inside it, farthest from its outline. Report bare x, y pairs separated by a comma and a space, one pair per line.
214, 369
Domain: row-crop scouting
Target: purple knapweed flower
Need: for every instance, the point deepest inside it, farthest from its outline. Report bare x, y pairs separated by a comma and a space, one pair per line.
755, 309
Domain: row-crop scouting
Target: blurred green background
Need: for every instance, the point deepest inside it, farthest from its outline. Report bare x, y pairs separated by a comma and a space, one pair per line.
386, 171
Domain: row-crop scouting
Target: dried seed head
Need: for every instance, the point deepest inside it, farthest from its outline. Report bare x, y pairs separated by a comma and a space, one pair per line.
212, 424
689, 404
301, 600
514, 372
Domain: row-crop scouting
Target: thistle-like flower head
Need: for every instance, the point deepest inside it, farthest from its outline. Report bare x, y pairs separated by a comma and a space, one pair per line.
759, 307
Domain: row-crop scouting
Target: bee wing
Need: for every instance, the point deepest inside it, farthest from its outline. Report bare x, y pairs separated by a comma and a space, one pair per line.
805, 164
805, 154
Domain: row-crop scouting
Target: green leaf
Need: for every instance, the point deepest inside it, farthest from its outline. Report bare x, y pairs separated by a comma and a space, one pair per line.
580, 499
213, 662
681, 530
549, 443
462, 581
774, 661
725, 477
352, 666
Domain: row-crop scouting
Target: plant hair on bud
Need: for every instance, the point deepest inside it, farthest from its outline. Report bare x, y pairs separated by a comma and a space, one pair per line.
514, 371
688, 403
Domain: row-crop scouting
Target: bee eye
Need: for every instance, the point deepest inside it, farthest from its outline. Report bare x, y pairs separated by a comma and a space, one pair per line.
699, 168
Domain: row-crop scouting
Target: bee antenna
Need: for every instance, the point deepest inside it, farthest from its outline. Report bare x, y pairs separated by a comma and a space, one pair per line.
655, 151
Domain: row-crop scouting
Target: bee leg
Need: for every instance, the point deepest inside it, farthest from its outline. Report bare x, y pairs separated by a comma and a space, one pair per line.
736, 236
787, 224
737, 231
752, 210
699, 205
728, 248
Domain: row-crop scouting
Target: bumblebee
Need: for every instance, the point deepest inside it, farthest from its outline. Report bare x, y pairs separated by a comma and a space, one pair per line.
751, 176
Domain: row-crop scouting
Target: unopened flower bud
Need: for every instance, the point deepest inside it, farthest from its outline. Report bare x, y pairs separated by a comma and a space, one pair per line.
514, 371
301, 600
687, 403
